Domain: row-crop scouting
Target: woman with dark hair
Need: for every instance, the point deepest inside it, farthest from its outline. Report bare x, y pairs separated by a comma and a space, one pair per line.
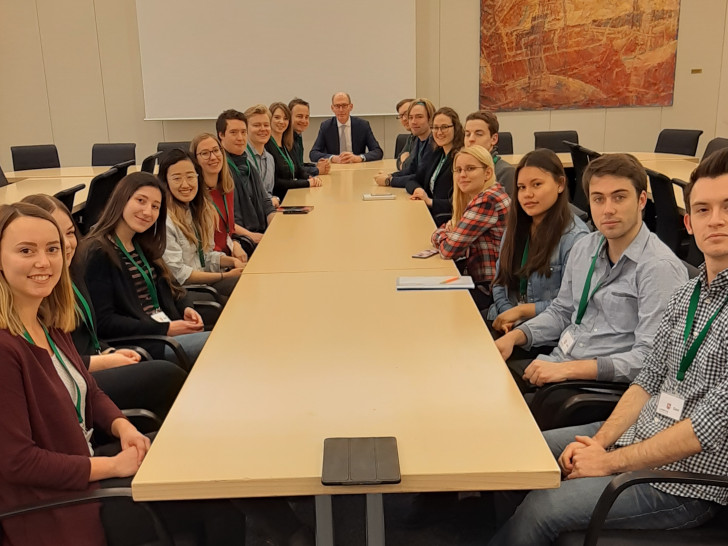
288, 174
540, 231
191, 220
120, 373
433, 183
130, 286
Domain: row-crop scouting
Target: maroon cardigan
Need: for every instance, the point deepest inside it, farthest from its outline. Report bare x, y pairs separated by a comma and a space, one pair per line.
43, 453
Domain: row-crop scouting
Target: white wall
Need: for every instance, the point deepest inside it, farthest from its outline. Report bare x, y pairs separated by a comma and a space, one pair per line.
71, 75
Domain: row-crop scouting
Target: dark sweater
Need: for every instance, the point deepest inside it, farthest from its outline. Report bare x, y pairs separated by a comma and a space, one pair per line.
422, 152
285, 179
43, 452
118, 308
252, 204
297, 154
441, 209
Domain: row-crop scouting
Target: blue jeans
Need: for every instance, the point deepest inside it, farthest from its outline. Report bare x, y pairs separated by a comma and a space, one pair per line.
191, 343
545, 513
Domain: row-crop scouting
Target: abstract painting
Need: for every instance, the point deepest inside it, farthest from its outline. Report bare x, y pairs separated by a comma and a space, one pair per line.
552, 54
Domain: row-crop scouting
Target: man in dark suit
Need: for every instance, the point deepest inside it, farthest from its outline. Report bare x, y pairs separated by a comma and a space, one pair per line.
344, 138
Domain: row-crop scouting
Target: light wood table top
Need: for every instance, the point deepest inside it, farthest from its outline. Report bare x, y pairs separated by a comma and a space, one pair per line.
386, 165
343, 354
672, 169
65, 172
349, 236
565, 158
29, 186
346, 186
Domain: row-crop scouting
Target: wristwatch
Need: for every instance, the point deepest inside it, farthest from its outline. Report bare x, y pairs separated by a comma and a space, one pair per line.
363, 157
388, 180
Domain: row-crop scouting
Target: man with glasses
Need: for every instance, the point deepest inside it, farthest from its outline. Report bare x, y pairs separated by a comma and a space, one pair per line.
345, 138
300, 115
404, 158
481, 129
419, 118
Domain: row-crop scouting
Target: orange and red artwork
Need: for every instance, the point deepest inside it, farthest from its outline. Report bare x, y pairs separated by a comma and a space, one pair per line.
550, 54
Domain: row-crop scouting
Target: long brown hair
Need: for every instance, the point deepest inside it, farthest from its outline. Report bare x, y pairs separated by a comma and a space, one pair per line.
56, 310
224, 178
201, 209
152, 242
458, 138
546, 238
287, 137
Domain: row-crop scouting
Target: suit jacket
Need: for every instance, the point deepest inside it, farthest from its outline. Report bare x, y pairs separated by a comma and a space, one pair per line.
441, 196
362, 138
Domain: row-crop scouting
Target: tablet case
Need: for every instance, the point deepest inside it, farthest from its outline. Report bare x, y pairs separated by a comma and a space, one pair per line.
360, 461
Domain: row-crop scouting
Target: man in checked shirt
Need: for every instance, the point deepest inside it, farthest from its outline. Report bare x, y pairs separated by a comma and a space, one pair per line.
674, 416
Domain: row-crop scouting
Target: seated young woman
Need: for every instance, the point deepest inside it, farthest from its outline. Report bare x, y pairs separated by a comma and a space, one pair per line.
480, 205
288, 174
191, 221
130, 286
540, 231
120, 373
433, 183
209, 157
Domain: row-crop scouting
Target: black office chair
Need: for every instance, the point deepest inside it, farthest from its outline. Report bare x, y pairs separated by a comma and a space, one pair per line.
107, 155
150, 162
668, 221
715, 145
43, 156
68, 196
3, 179
712, 533
505, 143
678, 141
123, 167
99, 192
400, 142
554, 140
580, 157
183, 145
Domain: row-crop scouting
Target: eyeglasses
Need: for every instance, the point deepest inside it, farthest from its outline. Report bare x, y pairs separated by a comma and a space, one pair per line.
470, 169
401, 116
205, 154
189, 177
341, 106
443, 128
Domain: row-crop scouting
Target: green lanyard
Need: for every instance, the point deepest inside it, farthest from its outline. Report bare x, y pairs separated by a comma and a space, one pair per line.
251, 153
63, 364
147, 274
84, 312
223, 217
200, 254
234, 167
585, 295
689, 356
523, 288
436, 173
286, 157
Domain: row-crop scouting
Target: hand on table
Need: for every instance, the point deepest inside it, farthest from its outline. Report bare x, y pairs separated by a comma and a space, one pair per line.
324, 166
421, 195
381, 178
315, 182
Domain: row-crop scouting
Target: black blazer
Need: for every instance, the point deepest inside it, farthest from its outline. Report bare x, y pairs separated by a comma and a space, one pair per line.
118, 309
421, 156
284, 179
362, 138
441, 209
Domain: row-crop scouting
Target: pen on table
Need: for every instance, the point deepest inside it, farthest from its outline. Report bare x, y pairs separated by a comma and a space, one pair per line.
448, 281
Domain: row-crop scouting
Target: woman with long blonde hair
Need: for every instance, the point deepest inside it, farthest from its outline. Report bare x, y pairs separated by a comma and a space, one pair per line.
479, 208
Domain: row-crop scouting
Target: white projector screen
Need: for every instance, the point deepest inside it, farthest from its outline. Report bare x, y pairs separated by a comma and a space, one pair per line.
200, 58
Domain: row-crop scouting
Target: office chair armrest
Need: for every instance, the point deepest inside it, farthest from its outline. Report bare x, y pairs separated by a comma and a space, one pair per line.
97, 495
141, 350
139, 413
544, 392
209, 311
204, 288
628, 479
182, 359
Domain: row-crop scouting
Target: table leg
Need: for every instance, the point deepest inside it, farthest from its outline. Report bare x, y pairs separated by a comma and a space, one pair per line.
375, 520
324, 521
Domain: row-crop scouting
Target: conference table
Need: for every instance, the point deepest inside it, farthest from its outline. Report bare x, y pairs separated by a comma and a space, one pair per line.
63, 172
316, 342
28, 186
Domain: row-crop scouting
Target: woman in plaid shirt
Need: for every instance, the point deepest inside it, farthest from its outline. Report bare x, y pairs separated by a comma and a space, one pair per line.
480, 205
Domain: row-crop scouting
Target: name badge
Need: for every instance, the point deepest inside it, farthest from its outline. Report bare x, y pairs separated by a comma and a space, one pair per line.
229, 242
160, 316
670, 405
566, 343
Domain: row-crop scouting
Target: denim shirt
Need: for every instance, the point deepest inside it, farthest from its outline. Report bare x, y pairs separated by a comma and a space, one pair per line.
620, 322
541, 289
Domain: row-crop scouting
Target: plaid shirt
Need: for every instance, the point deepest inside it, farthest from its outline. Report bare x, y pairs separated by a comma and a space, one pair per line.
704, 389
477, 234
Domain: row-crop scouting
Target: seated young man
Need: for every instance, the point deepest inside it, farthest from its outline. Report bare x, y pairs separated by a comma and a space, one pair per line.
300, 118
672, 417
404, 157
419, 118
481, 128
613, 292
254, 210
